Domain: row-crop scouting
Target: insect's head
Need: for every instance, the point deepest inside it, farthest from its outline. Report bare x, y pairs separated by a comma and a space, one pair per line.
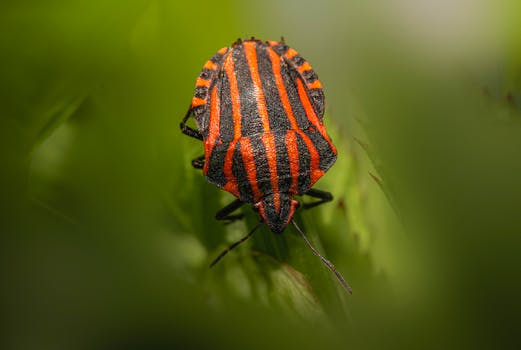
276, 210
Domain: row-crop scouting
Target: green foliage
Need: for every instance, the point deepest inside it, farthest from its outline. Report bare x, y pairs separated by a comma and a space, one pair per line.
107, 231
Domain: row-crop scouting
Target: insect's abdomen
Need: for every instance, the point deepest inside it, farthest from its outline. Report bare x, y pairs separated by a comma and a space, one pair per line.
288, 161
261, 120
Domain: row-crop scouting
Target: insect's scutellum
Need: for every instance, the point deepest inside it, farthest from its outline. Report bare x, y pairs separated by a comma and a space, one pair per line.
258, 107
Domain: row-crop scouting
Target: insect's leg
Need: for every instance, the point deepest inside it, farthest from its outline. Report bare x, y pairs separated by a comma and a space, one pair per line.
198, 162
225, 213
242, 240
188, 130
323, 197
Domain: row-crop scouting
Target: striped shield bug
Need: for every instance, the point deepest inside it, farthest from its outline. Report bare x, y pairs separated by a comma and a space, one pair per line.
258, 107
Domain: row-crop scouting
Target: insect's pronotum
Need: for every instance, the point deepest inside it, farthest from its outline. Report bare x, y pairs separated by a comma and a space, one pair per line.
258, 107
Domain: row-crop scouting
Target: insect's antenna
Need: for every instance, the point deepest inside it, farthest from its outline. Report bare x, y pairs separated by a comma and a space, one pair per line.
242, 240
326, 262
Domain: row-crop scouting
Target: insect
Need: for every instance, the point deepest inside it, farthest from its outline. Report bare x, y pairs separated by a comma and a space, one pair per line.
258, 107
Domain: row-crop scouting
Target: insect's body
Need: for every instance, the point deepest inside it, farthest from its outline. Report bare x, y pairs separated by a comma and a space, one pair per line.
258, 107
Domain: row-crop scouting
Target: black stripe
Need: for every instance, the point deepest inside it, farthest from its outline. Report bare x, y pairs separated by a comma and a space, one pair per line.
226, 124
298, 60
202, 115
309, 76
316, 97
198, 110
283, 168
304, 161
327, 156
289, 77
201, 92
251, 122
215, 173
276, 114
202, 118
261, 165
239, 172
207, 73
280, 48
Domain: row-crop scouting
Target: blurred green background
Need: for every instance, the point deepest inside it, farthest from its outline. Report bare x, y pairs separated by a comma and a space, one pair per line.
107, 231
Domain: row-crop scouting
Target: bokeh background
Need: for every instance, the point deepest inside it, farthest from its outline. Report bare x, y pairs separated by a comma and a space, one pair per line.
107, 231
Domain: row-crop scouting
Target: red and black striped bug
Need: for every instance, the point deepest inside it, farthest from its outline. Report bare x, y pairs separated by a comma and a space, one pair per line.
258, 107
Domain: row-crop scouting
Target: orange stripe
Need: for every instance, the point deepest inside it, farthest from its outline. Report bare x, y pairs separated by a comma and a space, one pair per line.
310, 112
260, 207
268, 138
291, 147
235, 97
202, 82
251, 58
291, 53
271, 154
213, 128
315, 85
304, 67
316, 173
275, 64
231, 185
249, 166
210, 65
196, 101
223, 50
276, 201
